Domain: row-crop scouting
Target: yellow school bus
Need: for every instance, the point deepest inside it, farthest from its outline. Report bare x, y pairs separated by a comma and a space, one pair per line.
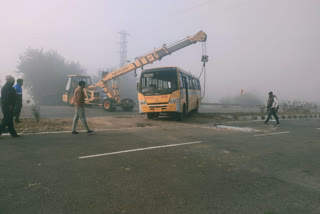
168, 90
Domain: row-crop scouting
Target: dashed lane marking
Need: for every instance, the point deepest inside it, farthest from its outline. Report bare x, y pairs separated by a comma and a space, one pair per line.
139, 149
275, 133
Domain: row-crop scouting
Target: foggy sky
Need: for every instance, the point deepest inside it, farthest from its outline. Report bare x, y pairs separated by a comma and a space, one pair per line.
255, 45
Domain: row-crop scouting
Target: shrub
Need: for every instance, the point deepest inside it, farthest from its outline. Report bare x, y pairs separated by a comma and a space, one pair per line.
299, 106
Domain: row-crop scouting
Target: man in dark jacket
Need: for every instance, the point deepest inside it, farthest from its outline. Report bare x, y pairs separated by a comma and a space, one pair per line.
8, 101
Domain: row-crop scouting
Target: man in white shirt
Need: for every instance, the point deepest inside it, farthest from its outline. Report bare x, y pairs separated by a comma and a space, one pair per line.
272, 107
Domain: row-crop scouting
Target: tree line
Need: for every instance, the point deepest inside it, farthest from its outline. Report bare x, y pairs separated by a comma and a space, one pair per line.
45, 74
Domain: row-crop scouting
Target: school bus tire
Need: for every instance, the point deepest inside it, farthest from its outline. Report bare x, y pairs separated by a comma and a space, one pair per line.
150, 116
196, 110
181, 115
172, 116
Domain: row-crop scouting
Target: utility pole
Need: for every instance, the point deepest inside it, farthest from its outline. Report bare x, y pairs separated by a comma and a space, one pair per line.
123, 47
127, 82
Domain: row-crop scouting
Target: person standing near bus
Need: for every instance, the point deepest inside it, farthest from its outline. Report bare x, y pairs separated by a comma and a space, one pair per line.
79, 98
272, 107
8, 101
18, 106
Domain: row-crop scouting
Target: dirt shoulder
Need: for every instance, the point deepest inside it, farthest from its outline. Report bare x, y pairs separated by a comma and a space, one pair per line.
29, 125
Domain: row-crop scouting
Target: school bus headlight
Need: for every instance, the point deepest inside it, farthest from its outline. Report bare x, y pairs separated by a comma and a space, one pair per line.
142, 102
175, 100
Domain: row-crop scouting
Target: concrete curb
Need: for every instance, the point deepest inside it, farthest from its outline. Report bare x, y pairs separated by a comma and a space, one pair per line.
302, 116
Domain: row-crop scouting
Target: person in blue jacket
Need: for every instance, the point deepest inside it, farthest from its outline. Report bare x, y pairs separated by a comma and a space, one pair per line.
18, 107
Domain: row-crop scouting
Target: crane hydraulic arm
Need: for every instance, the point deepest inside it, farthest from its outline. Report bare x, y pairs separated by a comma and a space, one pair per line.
152, 57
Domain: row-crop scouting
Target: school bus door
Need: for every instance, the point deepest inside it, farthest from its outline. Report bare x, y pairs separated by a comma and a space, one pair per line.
185, 83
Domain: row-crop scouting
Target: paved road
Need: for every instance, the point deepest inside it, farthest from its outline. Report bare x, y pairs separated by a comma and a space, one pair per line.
67, 111
220, 171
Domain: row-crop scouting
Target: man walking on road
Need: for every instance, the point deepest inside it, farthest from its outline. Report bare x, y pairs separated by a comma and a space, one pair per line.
79, 98
8, 101
272, 107
17, 109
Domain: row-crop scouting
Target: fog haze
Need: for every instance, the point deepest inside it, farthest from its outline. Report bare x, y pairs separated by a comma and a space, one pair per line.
258, 46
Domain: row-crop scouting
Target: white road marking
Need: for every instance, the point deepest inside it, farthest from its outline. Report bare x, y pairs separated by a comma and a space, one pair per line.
275, 133
140, 149
244, 129
318, 128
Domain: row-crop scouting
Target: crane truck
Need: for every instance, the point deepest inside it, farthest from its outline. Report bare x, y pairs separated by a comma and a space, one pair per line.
109, 84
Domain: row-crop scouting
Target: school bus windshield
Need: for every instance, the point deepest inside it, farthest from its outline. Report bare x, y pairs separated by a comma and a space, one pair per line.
157, 82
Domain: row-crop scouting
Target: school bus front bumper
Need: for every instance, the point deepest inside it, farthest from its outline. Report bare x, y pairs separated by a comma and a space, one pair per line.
160, 108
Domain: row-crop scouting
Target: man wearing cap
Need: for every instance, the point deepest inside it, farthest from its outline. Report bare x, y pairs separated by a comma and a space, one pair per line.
272, 107
17, 109
8, 101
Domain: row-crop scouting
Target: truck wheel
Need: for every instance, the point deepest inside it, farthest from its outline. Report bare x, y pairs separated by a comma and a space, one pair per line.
70, 99
127, 104
108, 104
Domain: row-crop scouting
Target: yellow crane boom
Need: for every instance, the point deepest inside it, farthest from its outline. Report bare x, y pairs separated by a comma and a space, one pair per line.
147, 59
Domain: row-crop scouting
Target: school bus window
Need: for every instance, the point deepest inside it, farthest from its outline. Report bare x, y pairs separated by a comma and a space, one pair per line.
195, 84
159, 82
181, 82
184, 81
191, 83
